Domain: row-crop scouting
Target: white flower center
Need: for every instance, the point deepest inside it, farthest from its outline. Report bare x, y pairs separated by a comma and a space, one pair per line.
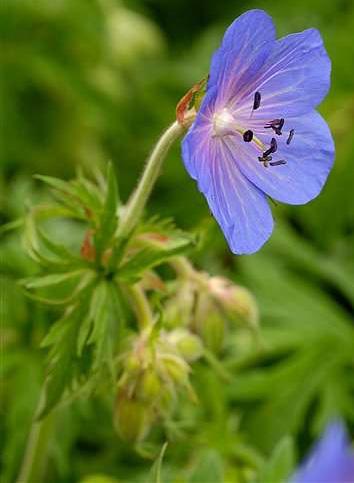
224, 123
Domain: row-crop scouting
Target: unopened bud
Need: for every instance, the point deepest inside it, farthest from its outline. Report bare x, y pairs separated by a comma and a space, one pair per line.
179, 308
132, 364
176, 368
234, 299
131, 418
188, 345
150, 386
210, 323
212, 331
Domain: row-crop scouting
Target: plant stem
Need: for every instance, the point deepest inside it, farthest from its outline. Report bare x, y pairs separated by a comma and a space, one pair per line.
140, 196
141, 306
34, 460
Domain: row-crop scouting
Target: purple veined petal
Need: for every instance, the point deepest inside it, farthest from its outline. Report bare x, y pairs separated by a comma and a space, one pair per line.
234, 74
309, 159
294, 79
241, 209
240, 45
194, 154
249, 30
331, 460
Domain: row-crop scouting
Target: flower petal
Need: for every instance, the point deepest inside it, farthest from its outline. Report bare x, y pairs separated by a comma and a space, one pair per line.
242, 51
248, 31
240, 208
331, 461
294, 79
309, 159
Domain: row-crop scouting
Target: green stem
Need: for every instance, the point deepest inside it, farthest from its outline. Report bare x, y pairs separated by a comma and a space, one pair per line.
140, 196
141, 306
34, 460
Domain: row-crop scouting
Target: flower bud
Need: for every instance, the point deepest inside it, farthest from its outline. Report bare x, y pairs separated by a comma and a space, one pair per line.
150, 386
131, 418
212, 331
234, 299
210, 323
132, 364
188, 345
175, 368
179, 308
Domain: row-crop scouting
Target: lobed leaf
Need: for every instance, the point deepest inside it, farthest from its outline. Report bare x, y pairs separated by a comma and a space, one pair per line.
153, 255
109, 217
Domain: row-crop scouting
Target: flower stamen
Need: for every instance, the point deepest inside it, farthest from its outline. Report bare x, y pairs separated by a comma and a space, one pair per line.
265, 160
291, 135
276, 125
272, 149
257, 100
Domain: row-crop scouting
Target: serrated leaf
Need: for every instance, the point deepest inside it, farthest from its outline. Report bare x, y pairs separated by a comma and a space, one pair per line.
62, 365
155, 472
56, 332
153, 255
281, 463
58, 249
56, 183
85, 329
109, 216
105, 313
69, 194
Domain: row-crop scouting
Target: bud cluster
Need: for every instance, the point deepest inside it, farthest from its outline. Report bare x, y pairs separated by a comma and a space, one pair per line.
177, 321
210, 306
155, 370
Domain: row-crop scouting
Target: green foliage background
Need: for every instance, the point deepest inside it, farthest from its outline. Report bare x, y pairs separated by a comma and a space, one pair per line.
87, 81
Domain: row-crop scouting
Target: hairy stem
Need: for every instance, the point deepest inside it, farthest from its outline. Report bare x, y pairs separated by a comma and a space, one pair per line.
141, 306
34, 460
140, 196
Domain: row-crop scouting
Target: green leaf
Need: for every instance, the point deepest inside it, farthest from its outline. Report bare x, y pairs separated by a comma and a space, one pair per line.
155, 472
106, 315
109, 216
62, 365
56, 332
52, 279
154, 255
209, 468
281, 463
56, 183
85, 329
58, 249
72, 195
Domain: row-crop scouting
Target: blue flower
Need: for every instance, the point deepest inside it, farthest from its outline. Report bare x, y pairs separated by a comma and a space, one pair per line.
257, 134
331, 461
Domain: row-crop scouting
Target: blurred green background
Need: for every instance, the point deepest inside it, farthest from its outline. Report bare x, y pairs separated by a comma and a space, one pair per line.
87, 81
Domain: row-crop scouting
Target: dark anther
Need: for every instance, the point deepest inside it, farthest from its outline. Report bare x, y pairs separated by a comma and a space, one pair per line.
248, 136
291, 135
272, 149
278, 163
276, 125
257, 100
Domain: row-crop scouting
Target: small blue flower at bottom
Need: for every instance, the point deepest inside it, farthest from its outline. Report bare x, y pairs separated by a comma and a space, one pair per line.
257, 134
331, 461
